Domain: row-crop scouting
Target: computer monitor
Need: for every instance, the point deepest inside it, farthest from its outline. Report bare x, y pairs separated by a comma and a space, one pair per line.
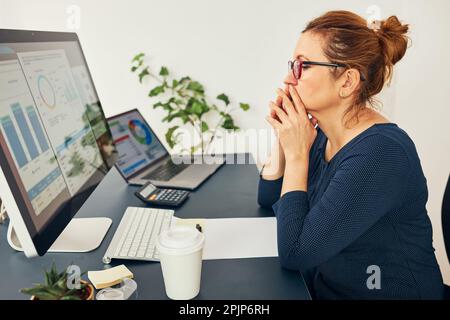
55, 143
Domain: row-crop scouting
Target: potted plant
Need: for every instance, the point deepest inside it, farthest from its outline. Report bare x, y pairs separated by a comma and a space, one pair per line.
186, 102
55, 288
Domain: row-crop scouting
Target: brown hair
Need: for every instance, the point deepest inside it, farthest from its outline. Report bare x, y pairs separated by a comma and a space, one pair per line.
374, 52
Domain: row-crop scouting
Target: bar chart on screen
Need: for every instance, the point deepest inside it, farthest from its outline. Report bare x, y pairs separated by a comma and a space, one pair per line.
26, 138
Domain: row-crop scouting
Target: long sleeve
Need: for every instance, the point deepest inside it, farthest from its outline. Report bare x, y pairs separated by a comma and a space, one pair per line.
269, 192
369, 182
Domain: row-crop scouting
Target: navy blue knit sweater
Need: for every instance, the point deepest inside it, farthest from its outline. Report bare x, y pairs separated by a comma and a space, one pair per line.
364, 210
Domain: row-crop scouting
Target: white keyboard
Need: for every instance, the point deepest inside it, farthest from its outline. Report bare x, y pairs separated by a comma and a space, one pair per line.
136, 235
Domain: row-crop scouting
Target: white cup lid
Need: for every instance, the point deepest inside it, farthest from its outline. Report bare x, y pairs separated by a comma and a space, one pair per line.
180, 240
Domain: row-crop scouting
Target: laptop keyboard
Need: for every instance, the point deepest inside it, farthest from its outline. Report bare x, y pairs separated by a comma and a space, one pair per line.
166, 171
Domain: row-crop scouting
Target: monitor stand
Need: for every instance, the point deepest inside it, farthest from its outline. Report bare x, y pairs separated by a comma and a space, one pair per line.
80, 235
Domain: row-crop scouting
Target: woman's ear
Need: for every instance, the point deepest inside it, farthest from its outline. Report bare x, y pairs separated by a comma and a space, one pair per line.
349, 83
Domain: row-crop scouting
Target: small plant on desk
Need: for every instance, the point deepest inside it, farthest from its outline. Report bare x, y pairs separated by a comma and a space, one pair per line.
56, 287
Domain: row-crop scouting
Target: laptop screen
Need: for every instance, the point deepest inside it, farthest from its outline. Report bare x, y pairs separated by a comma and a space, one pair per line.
135, 141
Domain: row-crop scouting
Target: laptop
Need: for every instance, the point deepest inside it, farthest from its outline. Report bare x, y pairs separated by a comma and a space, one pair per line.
143, 158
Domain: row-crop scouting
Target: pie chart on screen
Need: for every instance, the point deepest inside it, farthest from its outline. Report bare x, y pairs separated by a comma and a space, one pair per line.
46, 91
140, 131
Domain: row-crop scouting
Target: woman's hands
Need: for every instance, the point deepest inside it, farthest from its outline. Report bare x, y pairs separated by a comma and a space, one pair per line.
274, 166
295, 131
296, 134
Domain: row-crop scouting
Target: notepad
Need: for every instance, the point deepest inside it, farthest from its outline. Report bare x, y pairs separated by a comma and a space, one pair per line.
237, 238
109, 277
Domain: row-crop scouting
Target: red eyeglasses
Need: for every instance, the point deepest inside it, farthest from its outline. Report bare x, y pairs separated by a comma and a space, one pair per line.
297, 66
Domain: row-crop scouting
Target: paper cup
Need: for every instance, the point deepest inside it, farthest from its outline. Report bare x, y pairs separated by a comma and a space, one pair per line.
180, 252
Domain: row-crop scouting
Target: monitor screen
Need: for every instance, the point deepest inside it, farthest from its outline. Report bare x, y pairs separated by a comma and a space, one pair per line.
55, 142
136, 143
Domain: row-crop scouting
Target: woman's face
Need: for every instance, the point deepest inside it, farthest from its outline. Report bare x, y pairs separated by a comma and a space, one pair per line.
317, 86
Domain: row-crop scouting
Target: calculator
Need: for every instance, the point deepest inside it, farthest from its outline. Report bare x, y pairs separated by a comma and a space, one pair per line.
151, 194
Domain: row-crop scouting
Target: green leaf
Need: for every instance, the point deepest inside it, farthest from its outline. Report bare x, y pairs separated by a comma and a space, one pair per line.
164, 71
169, 136
244, 106
45, 296
224, 98
175, 83
55, 292
185, 118
156, 90
184, 80
228, 123
172, 116
33, 291
61, 283
142, 74
178, 102
48, 279
136, 67
138, 57
197, 108
54, 276
158, 104
166, 106
196, 87
204, 126
205, 106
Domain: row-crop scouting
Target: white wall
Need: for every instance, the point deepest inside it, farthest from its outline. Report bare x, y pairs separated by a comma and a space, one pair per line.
242, 48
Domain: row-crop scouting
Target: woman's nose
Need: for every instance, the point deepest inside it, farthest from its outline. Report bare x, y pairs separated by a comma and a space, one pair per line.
290, 79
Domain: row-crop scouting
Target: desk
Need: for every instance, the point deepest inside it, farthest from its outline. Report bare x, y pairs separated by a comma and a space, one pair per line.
231, 192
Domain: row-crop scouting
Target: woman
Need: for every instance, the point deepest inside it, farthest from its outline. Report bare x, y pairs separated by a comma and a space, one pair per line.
346, 185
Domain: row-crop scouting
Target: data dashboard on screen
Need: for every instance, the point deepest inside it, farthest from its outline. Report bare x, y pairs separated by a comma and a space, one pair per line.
52, 126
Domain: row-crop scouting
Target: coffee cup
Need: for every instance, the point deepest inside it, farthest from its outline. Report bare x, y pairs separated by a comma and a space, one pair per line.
180, 251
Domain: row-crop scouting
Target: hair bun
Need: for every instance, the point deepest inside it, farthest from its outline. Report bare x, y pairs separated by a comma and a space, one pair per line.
393, 38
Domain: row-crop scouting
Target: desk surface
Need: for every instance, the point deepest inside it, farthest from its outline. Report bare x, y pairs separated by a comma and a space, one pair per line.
230, 193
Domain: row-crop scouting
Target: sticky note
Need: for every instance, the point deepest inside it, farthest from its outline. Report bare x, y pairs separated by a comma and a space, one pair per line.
109, 277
